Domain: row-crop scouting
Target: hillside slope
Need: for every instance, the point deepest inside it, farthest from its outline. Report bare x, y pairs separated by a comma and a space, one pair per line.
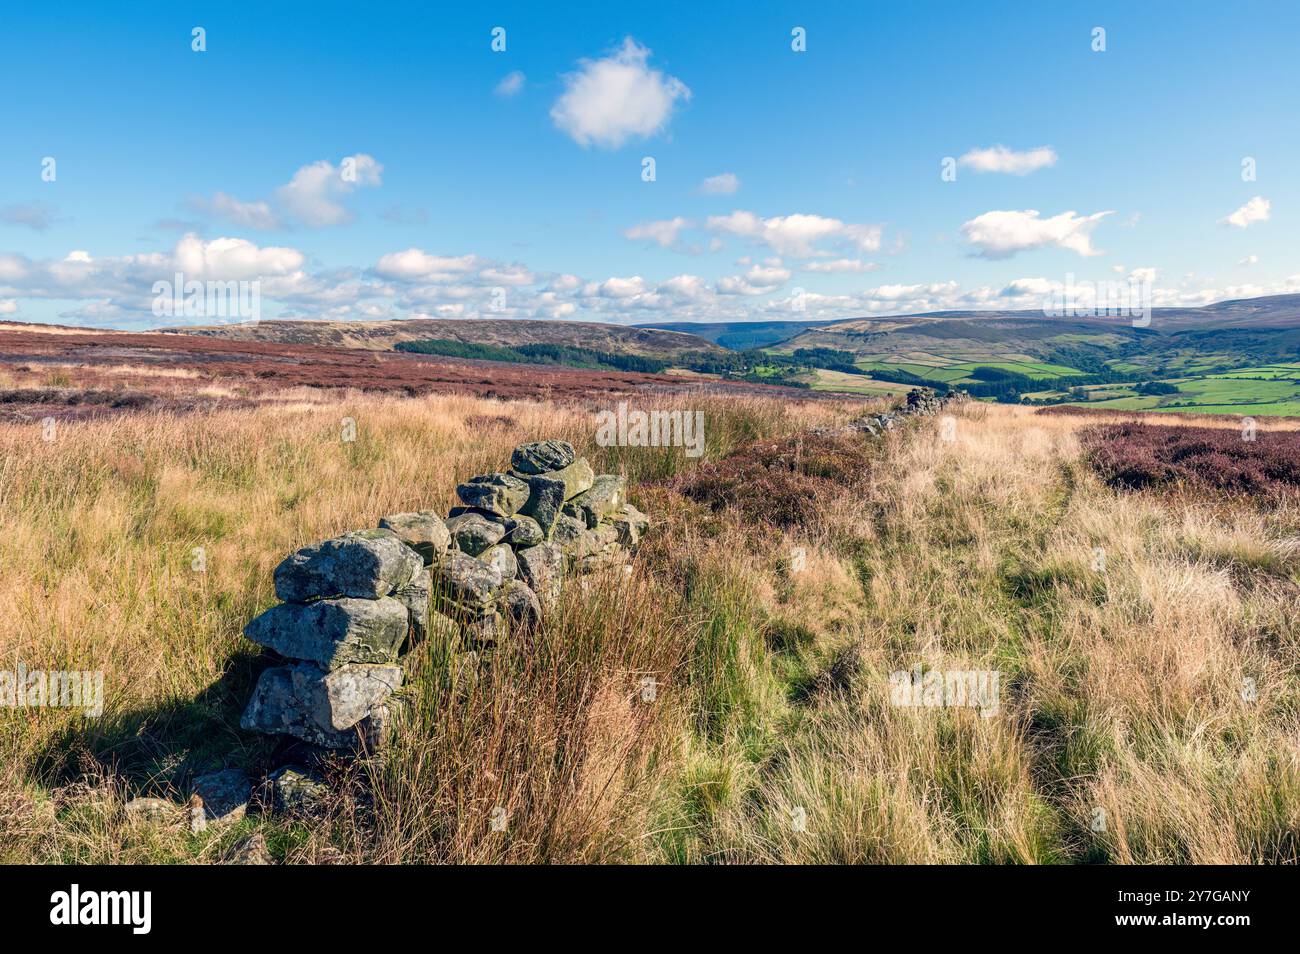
383, 335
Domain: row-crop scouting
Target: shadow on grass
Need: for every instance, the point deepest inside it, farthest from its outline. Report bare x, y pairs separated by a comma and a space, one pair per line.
158, 750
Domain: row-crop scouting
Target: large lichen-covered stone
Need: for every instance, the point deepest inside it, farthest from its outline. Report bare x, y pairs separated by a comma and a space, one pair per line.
542, 568
631, 525
503, 558
225, 794
604, 498
524, 532
541, 456
364, 564
422, 530
333, 632
495, 493
589, 543
577, 478
549, 491
567, 531
296, 792
545, 501
415, 597
520, 605
473, 533
304, 701
464, 585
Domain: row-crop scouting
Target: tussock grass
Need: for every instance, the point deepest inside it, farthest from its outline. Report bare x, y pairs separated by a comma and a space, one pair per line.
728, 701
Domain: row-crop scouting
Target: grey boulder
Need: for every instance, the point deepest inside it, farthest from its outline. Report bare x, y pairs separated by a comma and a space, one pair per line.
541, 456
524, 532
473, 533
503, 558
295, 791
606, 495
308, 703
520, 605
364, 564
464, 584
423, 531
631, 525
225, 794
415, 597
334, 632
542, 568
495, 493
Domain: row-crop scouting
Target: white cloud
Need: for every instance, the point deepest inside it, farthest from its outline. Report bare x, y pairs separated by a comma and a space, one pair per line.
1002, 159
8, 306
610, 100
417, 265
312, 197
759, 280
796, 235
689, 287
663, 233
511, 84
1002, 234
1249, 260
1256, 210
618, 288
854, 265
253, 215
514, 275
233, 259
726, 183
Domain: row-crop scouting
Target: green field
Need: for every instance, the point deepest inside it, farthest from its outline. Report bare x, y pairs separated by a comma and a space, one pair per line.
958, 372
1267, 390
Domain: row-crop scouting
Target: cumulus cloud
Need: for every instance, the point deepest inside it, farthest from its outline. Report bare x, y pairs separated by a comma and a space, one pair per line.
796, 235
618, 97
1249, 260
1009, 161
511, 84
416, 264
233, 259
313, 197
8, 306
1256, 210
253, 215
664, 232
829, 266
1002, 234
115, 289
725, 183
759, 280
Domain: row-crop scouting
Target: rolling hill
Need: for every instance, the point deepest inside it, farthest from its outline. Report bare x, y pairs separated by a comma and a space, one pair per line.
506, 332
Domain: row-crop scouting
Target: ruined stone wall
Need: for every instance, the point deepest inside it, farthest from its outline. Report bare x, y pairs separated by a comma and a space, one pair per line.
352, 605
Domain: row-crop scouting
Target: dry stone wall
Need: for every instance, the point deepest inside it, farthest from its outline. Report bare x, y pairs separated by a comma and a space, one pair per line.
351, 606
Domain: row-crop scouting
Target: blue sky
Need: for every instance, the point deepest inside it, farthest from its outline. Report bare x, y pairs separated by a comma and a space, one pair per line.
526, 199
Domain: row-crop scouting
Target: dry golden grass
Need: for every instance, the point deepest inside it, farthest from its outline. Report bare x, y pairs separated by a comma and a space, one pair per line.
1146, 646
